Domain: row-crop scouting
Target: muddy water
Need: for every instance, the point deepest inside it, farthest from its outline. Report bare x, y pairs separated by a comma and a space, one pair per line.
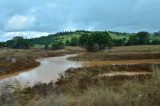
47, 71
51, 67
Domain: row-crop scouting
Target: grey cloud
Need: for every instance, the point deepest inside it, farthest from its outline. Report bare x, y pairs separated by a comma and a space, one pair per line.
59, 15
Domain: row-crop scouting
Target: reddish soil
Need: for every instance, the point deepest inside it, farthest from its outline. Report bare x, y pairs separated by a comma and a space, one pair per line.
112, 74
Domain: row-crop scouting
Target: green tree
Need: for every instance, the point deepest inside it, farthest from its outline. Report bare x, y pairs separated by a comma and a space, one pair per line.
155, 42
46, 46
157, 33
67, 43
119, 42
103, 40
19, 42
141, 38
58, 45
83, 39
2, 44
74, 41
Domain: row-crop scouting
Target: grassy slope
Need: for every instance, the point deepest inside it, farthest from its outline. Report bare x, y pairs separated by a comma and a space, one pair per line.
64, 38
68, 37
114, 36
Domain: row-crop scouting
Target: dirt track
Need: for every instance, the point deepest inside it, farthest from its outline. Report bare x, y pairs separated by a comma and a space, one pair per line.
112, 74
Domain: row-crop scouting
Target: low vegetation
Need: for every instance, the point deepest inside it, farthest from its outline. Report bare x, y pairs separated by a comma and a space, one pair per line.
83, 86
18, 43
122, 53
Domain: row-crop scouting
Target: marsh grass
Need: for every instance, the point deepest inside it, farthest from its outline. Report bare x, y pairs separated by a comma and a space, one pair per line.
130, 93
78, 87
122, 53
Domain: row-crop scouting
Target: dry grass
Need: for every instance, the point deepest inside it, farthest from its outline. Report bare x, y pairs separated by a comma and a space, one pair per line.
122, 53
103, 92
131, 93
143, 48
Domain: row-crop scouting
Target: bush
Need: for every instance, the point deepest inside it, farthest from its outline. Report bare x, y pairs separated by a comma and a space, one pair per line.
155, 42
141, 38
83, 39
18, 42
2, 44
58, 45
46, 46
74, 41
93, 48
96, 41
119, 42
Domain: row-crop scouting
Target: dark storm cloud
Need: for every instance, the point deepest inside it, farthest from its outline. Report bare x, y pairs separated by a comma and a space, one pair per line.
59, 15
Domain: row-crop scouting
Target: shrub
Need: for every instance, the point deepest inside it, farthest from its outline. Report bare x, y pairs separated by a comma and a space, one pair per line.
96, 41
19, 42
46, 46
2, 44
141, 38
58, 45
93, 48
155, 42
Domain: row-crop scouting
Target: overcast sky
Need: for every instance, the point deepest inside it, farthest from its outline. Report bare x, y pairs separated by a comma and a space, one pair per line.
33, 18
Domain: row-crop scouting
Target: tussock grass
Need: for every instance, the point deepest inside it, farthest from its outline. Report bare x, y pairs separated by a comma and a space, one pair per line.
122, 53
102, 93
130, 93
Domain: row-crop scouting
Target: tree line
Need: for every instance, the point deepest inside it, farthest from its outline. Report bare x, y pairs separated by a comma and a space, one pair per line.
101, 40
94, 41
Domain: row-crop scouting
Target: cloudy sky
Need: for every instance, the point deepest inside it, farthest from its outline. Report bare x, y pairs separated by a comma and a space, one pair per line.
33, 18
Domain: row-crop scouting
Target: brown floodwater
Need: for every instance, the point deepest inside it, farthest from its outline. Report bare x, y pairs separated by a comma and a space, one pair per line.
49, 70
51, 67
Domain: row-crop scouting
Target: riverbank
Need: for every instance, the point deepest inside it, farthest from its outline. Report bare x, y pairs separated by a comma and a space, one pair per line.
16, 60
